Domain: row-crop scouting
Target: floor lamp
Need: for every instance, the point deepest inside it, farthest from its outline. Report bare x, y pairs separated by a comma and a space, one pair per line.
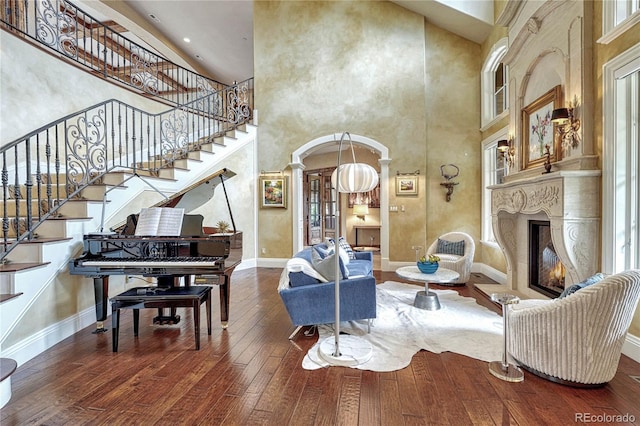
350, 177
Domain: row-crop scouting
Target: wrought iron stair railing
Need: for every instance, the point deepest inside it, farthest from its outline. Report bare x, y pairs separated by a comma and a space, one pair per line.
46, 168
62, 27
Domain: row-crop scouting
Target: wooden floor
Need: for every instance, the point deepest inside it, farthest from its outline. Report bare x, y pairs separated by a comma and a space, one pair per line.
251, 374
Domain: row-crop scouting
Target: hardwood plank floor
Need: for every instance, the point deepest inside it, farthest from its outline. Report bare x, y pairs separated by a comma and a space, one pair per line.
251, 374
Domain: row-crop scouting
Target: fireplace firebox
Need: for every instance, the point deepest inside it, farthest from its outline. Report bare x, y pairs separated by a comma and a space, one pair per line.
546, 271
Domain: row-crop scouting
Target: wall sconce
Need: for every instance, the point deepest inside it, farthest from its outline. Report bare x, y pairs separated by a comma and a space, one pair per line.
506, 149
449, 171
360, 210
568, 126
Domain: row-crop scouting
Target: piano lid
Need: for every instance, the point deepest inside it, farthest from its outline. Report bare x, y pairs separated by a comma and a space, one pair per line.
197, 194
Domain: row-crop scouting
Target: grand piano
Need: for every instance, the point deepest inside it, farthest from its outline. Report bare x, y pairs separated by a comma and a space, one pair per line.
209, 257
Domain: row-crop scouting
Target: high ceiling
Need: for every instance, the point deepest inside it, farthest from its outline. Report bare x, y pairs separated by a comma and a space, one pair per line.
221, 31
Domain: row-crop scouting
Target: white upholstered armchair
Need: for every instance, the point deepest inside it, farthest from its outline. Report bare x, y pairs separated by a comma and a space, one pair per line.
576, 340
453, 255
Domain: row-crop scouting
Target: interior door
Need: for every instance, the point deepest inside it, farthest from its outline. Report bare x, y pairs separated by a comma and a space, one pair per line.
314, 205
328, 207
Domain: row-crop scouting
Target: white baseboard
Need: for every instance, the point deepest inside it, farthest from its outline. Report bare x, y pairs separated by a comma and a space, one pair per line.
631, 347
34, 345
246, 264
498, 276
264, 262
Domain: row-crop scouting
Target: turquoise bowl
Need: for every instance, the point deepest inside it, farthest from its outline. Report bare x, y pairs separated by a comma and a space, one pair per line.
428, 267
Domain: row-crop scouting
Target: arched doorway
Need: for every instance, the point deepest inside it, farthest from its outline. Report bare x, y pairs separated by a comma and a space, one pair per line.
297, 167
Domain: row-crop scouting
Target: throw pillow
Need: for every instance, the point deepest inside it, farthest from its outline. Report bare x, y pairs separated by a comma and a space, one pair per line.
344, 257
326, 266
586, 283
450, 247
342, 242
325, 251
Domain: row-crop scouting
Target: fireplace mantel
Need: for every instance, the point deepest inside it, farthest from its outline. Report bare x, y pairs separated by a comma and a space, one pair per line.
570, 200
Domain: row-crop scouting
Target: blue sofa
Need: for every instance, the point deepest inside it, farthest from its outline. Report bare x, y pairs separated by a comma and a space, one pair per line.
310, 301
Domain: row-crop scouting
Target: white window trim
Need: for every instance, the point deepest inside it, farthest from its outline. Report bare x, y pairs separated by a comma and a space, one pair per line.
502, 115
487, 143
487, 79
611, 31
619, 67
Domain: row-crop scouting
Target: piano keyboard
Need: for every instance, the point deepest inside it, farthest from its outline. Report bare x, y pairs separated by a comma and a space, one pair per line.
185, 262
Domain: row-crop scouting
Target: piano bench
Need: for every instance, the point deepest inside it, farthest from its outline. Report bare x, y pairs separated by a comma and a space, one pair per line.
172, 297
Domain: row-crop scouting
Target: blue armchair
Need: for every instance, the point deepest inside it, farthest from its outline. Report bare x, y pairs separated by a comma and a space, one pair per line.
310, 300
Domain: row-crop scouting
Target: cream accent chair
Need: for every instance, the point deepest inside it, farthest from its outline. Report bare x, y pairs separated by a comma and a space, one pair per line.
460, 264
576, 340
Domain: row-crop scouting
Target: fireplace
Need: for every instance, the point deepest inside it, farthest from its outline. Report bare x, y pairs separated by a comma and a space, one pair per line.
546, 271
564, 207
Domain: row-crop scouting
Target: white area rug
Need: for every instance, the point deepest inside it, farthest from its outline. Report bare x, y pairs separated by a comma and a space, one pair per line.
400, 330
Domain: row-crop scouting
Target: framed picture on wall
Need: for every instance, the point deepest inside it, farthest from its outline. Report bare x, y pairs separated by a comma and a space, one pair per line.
371, 198
406, 185
273, 191
538, 132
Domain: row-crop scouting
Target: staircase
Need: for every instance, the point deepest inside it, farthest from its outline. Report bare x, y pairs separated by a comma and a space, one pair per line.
87, 169
36, 265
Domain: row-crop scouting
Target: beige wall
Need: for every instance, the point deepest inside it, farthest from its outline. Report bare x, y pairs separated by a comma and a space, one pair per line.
602, 54
27, 74
453, 121
377, 70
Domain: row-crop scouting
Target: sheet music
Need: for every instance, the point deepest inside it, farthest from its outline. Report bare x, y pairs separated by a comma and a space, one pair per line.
160, 221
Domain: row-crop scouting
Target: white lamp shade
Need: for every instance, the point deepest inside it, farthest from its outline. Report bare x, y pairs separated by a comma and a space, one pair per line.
355, 177
360, 209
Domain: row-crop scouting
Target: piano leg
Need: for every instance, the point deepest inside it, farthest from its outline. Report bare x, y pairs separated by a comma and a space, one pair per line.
101, 292
208, 307
224, 301
196, 322
115, 323
167, 281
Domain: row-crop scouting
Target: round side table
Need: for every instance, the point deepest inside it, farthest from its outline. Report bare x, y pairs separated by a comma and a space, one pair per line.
426, 299
502, 369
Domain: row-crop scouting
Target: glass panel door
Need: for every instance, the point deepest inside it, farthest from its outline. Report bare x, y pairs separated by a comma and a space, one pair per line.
329, 207
315, 211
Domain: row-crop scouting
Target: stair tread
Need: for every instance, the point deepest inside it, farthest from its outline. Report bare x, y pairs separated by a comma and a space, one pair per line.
41, 240
69, 218
8, 296
18, 266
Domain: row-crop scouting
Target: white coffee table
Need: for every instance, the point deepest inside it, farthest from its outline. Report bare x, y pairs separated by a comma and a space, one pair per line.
427, 299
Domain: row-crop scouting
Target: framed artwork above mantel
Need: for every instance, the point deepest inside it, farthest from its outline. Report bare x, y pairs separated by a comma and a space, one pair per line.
538, 131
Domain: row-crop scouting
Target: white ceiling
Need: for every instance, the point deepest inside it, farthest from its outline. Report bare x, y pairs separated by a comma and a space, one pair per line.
221, 31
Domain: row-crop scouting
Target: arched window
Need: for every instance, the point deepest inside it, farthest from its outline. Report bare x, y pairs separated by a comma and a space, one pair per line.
494, 84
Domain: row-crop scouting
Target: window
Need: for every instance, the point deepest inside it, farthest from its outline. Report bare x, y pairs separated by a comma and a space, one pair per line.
618, 16
500, 87
493, 167
494, 84
621, 160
